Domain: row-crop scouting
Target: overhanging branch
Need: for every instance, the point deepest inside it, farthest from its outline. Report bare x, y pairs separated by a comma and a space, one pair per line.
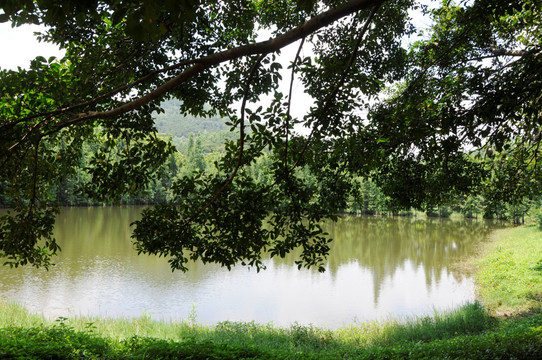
241, 143
261, 48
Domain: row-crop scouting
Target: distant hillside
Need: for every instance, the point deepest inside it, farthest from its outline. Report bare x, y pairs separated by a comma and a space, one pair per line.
212, 131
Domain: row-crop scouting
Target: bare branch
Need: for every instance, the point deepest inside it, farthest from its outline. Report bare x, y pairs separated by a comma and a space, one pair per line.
507, 53
513, 52
34, 180
294, 64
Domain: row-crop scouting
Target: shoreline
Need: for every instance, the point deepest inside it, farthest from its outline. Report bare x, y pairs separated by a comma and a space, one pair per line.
509, 263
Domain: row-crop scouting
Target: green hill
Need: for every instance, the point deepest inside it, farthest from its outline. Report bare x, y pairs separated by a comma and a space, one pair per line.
212, 131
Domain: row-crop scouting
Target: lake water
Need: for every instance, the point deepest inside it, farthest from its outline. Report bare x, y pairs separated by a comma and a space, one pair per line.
379, 267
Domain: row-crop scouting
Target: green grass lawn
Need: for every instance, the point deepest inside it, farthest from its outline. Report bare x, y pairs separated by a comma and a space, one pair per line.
509, 272
507, 326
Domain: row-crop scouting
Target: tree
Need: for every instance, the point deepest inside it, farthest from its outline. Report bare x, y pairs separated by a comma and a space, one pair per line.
469, 108
194, 155
465, 93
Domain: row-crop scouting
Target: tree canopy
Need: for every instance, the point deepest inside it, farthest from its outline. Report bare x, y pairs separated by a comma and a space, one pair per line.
426, 113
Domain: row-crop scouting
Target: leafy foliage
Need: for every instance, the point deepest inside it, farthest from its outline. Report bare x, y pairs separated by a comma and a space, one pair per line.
212, 132
473, 87
455, 113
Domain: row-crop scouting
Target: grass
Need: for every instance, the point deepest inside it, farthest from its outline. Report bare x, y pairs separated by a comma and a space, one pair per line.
455, 335
509, 280
509, 273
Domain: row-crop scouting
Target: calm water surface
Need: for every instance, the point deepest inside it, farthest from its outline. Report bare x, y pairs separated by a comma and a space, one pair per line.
378, 268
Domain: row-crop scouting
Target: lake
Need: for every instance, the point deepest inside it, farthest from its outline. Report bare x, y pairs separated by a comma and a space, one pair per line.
379, 267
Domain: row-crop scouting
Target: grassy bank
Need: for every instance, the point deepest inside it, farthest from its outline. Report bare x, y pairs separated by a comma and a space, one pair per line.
509, 271
509, 278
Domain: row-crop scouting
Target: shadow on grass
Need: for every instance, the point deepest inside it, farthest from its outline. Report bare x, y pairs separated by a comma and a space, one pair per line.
538, 267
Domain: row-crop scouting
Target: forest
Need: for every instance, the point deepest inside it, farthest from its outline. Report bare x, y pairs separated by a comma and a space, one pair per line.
200, 143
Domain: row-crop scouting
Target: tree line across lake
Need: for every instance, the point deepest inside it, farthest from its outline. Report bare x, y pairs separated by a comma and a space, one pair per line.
199, 152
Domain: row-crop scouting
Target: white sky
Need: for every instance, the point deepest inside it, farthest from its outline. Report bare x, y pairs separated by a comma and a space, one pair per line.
19, 46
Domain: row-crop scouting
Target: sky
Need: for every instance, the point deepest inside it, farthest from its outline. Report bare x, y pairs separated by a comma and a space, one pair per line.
19, 46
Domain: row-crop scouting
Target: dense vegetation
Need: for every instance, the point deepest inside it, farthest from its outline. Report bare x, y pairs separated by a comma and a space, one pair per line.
448, 119
197, 153
211, 131
436, 103
470, 332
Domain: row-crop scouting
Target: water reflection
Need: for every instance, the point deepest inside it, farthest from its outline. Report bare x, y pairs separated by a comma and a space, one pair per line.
385, 245
377, 267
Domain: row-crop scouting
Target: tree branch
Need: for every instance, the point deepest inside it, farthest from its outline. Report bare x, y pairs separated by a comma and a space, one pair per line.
294, 64
261, 48
331, 95
199, 65
341, 81
34, 180
514, 52
103, 96
507, 52
241, 143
